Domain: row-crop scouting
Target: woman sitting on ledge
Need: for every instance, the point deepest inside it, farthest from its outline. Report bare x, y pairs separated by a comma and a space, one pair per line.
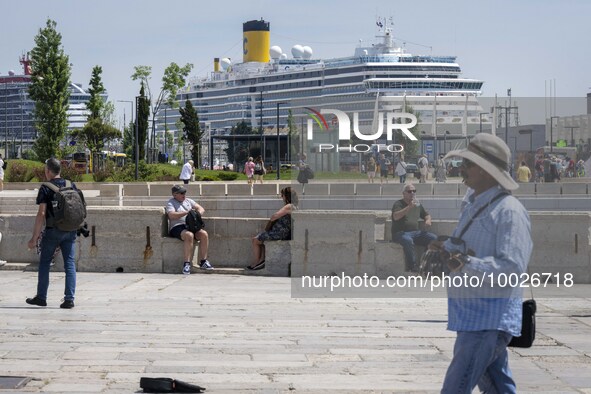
277, 229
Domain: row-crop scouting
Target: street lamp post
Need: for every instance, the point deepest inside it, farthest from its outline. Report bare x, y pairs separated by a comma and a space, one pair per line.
137, 144
6, 120
131, 106
552, 129
278, 147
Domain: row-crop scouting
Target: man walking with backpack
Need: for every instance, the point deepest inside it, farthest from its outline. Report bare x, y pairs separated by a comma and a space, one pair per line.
62, 210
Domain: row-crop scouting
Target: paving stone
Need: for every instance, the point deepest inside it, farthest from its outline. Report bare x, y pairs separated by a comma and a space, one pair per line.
235, 334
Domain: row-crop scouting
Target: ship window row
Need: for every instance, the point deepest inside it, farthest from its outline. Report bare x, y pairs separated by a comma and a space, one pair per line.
424, 85
412, 68
400, 76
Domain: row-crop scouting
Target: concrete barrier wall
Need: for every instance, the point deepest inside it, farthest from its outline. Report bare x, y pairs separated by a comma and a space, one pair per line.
325, 242
219, 189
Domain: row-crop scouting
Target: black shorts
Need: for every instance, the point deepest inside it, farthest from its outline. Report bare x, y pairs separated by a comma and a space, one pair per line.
258, 172
176, 231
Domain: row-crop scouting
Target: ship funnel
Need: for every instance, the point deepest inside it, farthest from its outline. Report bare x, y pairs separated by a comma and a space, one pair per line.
216, 64
256, 41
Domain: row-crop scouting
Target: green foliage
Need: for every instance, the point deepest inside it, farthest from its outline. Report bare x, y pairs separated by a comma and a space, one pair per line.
95, 104
208, 179
108, 114
22, 170
71, 174
18, 172
238, 151
30, 154
128, 140
172, 80
66, 150
227, 176
101, 175
50, 90
95, 134
39, 173
191, 130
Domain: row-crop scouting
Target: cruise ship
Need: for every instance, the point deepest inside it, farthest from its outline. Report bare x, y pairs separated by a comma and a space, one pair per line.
17, 123
269, 85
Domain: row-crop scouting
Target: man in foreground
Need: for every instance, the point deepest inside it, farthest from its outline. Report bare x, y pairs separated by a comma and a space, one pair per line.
52, 238
492, 238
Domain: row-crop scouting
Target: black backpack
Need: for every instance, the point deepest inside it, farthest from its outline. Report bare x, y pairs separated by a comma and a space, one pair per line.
5, 165
194, 221
68, 206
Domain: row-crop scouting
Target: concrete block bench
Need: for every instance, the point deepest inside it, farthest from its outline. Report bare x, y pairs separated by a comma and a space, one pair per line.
173, 255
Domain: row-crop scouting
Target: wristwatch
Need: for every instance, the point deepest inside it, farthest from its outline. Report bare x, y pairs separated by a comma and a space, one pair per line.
457, 261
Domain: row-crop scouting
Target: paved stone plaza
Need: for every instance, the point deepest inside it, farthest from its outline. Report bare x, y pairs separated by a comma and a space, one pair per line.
241, 334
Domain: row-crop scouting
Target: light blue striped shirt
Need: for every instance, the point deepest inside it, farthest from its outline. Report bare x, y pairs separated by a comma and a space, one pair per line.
500, 238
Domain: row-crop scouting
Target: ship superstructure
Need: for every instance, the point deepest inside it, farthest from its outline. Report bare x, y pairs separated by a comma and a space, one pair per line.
267, 85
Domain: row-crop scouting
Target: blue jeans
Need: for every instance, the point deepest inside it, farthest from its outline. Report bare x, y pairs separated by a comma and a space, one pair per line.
402, 178
480, 358
50, 241
408, 240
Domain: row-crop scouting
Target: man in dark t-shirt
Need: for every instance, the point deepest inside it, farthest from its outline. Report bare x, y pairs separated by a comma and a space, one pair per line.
405, 225
52, 238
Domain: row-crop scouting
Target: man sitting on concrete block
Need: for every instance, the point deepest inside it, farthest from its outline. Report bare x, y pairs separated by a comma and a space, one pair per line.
405, 225
177, 209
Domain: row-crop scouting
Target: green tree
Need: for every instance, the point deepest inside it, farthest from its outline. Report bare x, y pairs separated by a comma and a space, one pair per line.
96, 103
238, 151
108, 113
143, 113
128, 137
96, 133
191, 130
50, 77
173, 79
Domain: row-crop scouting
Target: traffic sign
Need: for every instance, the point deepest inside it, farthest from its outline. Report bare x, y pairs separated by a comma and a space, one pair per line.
429, 148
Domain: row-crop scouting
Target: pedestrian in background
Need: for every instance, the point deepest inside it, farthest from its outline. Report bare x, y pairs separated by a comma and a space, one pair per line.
401, 170
1, 173
441, 170
259, 170
186, 172
423, 164
249, 170
523, 173
371, 170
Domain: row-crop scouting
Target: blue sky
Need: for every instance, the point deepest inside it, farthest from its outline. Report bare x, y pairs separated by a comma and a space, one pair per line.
518, 44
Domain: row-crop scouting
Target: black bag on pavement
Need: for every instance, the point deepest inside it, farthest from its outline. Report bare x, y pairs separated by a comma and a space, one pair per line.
194, 221
168, 385
528, 326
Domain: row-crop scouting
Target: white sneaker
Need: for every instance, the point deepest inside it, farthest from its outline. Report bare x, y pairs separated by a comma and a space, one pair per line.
187, 268
206, 265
